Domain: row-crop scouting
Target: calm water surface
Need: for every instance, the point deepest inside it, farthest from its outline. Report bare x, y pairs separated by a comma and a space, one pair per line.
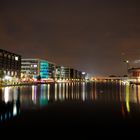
96, 105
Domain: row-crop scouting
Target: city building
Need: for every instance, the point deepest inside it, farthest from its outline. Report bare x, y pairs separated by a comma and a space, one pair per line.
37, 69
134, 75
70, 74
62, 73
51, 70
12, 68
10, 65
134, 72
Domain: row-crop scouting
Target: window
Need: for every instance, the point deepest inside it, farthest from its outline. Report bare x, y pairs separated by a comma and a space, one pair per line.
16, 58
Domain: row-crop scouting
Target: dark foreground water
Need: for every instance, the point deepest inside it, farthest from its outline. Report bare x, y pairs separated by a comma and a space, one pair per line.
99, 107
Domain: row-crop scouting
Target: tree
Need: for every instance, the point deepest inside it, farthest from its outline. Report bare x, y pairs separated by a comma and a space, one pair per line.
38, 77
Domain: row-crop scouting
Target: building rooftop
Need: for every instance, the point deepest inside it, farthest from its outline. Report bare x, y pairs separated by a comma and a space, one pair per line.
5, 51
38, 59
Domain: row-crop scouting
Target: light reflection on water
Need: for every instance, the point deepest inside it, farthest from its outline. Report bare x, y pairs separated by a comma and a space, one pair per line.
9, 103
14, 99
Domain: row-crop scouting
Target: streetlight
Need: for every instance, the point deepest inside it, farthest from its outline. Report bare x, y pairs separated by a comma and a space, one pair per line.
127, 65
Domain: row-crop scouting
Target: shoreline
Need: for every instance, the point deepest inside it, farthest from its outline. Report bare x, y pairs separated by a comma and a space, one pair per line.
24, 84
37, 83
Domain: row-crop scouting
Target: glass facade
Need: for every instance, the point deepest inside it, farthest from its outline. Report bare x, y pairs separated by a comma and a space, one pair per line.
33, 68
44, 66
44, 69
68, 73
29, 68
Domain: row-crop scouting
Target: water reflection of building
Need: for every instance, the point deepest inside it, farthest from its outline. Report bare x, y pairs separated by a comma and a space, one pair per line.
45, 93
130, 96
9, 103
108, 91
125, 97
138, 94
69, 92
35, 96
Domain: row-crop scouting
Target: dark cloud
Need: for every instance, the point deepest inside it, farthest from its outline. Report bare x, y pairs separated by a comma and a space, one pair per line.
88, 35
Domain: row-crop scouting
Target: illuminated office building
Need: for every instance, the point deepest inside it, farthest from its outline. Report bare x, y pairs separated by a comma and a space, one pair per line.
51, 69
78, 75
67, 73
62, 73
33, 68
10, 64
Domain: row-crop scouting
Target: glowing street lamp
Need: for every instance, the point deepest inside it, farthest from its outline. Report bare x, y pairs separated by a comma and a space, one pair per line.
127, 65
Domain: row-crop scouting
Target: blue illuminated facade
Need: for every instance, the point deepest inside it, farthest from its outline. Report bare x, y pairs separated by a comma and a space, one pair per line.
44, 69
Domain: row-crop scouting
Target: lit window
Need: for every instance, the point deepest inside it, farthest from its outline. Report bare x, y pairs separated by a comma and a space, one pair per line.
83, 73
8, 73
35, 66
12, 73
16, 58
9, 56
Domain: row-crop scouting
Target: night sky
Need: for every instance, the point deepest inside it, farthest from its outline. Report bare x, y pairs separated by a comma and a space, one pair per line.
95, 36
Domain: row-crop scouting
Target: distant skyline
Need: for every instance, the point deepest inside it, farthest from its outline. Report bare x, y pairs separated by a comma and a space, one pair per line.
94, 36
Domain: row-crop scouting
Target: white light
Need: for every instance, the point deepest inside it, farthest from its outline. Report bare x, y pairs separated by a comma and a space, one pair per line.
34, 88
35, 66
8, 73
55, 92
14, 110
7, 77
12, 73
83, 73
6, 95
48, 92
16, 58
